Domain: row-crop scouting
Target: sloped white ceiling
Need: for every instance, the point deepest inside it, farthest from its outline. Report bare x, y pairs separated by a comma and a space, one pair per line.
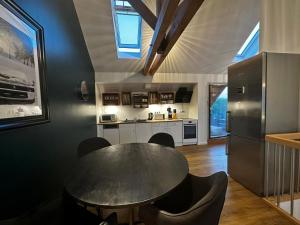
207, 46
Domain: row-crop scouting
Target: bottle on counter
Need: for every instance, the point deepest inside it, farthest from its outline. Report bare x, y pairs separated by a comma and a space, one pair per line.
174, 116
169, 113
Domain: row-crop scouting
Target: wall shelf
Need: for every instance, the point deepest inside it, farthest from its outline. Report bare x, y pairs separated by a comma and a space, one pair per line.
153, 98
166, 98
140, 100
111, 99
126, 98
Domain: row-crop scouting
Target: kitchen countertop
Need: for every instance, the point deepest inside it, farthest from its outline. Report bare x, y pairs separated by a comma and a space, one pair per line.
142, 121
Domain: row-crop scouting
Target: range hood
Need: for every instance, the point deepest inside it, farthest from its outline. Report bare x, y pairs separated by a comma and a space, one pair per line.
183, 95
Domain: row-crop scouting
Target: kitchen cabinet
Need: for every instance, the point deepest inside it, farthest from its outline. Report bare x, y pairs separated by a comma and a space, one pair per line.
111, 133
172, 128
175, 129
99, 130
110, 99
140, 100
139, 132
153, 98
162, 127
167, 98
126, 98
143, 132
157, 128
127, 133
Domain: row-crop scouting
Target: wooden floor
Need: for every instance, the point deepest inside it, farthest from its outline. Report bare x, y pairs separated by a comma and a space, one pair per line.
241, 206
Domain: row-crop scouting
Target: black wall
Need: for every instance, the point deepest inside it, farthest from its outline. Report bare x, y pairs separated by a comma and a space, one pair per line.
34, 160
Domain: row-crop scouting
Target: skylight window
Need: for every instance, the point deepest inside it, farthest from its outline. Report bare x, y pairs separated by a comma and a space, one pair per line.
250, 47
127, 23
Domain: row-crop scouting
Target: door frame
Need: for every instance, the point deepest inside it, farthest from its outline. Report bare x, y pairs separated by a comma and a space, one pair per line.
208, 103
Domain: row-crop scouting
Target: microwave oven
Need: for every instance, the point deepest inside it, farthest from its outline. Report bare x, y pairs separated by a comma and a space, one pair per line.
108, 118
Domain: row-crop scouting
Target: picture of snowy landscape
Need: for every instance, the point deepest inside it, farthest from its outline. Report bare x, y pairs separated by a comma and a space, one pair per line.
17, 67
23, 100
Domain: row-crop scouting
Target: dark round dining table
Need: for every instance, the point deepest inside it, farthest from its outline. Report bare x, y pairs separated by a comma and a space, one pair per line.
126, 175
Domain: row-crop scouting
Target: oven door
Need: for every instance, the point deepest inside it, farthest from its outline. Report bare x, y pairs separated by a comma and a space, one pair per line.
190, 133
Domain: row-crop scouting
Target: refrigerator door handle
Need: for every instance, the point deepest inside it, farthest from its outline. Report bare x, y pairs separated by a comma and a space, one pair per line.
228, 126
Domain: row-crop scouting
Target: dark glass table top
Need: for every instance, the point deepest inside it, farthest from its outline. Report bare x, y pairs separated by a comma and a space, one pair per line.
126, 175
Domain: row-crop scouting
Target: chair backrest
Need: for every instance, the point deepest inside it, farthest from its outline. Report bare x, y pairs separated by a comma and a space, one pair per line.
209, 200
162, 139
197, 200
91, 144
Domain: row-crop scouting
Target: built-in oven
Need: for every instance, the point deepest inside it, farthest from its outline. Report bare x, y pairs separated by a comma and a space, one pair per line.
190, 132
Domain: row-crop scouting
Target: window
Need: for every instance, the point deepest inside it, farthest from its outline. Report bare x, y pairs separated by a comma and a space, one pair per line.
250, 47
128, 24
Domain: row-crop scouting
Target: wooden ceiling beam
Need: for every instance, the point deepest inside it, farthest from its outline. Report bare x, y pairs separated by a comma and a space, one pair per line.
158, 6
184, 14
164, 20
144, 11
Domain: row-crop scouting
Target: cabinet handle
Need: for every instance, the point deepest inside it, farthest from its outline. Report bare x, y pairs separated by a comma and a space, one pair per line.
228, 125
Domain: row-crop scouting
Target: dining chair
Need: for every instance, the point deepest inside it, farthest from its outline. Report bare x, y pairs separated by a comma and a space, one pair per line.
61, 211
198, 200
162, 139
78, 215
91, 144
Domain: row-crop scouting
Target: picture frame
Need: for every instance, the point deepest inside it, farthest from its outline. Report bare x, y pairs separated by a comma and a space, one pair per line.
23, 92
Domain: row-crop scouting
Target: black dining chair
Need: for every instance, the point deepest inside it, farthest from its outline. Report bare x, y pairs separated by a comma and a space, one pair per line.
61, 211
162, 139
197, 201
78, 215
91, 144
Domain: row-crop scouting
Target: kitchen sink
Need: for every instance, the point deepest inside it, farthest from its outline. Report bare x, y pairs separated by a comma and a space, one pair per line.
135, 121
141, 121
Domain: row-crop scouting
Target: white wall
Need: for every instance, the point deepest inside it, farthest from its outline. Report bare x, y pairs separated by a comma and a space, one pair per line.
199, 103
130, 113
280, 26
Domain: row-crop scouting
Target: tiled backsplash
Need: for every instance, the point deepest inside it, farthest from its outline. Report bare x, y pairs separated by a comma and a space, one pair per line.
128, 112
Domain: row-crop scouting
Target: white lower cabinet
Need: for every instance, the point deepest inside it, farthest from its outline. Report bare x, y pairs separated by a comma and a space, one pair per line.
172, 128
112, 135
175, 129
157, 128
127, 133
143, 132
140, 132
99, 130
160, 128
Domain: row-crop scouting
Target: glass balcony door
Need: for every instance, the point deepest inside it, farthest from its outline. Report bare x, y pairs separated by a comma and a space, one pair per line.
218, 101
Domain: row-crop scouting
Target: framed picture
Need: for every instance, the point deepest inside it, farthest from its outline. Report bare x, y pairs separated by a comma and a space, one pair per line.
23, 100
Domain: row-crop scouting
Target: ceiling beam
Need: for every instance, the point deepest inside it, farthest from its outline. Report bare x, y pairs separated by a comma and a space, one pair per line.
184, 14
164, 20
158, 6
144, 11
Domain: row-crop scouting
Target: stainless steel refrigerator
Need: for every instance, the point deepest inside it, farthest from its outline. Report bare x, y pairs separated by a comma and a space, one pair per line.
263, 96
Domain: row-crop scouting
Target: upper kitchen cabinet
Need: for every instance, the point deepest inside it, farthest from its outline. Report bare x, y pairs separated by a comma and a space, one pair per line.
166, 98
126, 98
140, 100
153, 98
111, 99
